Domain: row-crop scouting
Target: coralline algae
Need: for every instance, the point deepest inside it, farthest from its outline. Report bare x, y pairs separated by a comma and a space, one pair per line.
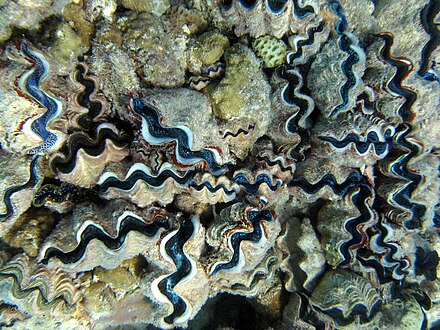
219, 164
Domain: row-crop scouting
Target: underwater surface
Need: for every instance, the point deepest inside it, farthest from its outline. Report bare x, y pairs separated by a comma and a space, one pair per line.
219, 164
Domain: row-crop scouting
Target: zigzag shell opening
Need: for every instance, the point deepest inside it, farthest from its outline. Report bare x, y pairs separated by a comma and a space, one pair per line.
219, 164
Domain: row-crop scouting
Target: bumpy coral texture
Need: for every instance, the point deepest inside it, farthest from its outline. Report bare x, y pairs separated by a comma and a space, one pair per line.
271, 51
219, 164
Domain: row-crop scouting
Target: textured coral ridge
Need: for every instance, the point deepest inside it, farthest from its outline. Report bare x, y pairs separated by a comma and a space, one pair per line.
219, 164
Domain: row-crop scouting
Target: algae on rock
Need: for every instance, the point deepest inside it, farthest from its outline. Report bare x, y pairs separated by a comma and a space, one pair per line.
74, 36
242, 97
155, 7
207, 49
153, 50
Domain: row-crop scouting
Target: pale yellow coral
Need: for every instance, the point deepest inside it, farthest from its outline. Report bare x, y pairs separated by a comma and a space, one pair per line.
213, 45
75, 16
29, 231
153, 50
98, 299
155, 7
208, 49
118, 279
242, 85
270, 50
67, 45
242, 98
73, 37
188, 21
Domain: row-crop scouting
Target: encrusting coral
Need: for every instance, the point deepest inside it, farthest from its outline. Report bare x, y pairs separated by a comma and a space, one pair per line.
241, 99
270, 50
219, 164
208, 48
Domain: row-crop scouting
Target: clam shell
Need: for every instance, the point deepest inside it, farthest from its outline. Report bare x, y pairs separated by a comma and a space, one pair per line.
21, 178
94, 235
37, 289
344, 295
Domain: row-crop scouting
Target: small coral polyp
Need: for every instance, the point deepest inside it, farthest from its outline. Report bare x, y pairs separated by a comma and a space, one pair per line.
200, 158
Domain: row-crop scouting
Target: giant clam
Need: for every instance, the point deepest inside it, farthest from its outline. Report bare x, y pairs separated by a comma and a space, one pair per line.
220, 164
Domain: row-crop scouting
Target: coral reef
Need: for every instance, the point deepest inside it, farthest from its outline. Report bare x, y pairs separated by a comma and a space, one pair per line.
241, 100
235, 164
207, 49
26, 15
271, 51
153, 50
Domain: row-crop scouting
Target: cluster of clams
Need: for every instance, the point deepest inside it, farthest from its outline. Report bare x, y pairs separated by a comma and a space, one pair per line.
258, 164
